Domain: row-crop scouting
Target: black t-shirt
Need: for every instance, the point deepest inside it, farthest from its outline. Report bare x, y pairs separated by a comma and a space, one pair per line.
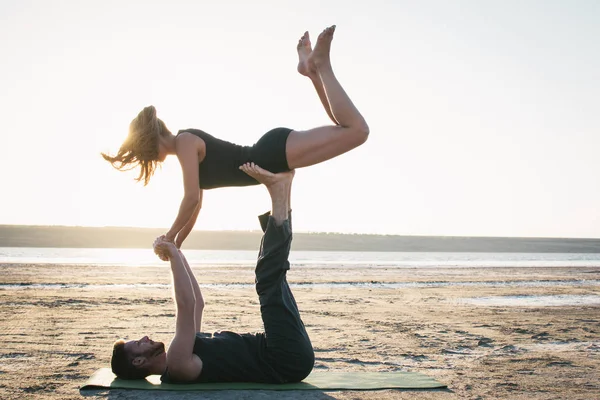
231, 357
220, 167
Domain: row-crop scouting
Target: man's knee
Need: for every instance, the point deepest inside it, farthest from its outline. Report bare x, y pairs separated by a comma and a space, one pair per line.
305, 361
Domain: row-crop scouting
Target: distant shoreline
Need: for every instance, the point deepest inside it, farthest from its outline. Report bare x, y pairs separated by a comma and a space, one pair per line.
118, 237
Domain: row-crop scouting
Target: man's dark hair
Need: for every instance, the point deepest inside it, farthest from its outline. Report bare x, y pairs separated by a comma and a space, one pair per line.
122, 366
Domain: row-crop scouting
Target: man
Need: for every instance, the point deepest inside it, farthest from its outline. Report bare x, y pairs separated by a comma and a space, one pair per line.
283, 353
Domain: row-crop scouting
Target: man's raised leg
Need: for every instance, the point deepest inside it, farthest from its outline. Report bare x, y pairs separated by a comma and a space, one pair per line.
288, 346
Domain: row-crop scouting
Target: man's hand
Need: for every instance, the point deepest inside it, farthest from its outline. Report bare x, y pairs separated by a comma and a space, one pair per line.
164, 248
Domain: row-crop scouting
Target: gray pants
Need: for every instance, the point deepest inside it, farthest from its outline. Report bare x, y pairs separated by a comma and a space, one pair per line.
289, 350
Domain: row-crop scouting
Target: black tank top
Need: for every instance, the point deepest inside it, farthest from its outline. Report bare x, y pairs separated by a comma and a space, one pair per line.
231, 357
220, 167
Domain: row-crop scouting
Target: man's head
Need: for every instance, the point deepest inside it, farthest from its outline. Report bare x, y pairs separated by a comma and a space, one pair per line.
136, 359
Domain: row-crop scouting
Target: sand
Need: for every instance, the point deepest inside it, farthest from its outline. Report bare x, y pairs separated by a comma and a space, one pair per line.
52, 339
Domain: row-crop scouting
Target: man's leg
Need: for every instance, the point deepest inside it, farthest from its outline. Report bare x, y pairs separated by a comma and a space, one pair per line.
288, 346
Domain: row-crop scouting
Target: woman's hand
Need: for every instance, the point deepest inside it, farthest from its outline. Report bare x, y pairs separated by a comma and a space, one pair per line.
169, 237
164, 248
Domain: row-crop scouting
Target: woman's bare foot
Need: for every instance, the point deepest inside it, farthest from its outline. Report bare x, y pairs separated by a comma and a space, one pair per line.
304, 49
267, 178
320, 55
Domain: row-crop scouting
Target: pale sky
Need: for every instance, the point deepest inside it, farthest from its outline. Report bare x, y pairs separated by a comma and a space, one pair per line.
484, 115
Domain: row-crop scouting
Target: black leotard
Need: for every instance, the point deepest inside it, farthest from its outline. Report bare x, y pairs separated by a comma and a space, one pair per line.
220, 167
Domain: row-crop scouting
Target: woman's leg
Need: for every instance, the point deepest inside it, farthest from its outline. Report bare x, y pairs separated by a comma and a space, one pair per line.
316, 145
310, 71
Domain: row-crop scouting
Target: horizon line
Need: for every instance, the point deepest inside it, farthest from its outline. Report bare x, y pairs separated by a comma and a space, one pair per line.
304, 232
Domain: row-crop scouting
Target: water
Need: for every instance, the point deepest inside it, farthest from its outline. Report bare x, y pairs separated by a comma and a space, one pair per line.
337, 285
146, 257
534, 301
328, 259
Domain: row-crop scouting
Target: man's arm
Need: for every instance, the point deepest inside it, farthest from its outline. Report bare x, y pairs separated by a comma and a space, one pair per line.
199, 299
182, 363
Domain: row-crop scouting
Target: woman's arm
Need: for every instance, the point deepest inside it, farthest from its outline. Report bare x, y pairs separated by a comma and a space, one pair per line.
186, 146
185, 231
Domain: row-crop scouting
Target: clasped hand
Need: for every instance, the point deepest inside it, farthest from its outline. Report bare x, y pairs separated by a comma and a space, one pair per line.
164, 248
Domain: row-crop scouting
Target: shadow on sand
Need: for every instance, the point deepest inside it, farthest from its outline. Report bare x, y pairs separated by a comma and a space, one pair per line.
123, 394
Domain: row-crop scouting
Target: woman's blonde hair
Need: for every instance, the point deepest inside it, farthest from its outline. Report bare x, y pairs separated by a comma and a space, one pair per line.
141, 145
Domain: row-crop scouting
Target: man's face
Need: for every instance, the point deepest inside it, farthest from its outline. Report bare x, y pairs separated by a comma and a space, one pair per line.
145, 348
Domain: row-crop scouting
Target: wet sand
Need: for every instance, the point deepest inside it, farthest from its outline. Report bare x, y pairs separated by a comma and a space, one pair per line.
53, 338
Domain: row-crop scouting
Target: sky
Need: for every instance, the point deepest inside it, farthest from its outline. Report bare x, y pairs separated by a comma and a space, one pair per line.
484, 115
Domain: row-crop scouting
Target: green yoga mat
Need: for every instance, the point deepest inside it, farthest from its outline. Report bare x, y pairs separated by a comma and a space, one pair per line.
317, 380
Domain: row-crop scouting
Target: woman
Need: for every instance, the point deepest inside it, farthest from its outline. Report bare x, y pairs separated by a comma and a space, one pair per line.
208, 162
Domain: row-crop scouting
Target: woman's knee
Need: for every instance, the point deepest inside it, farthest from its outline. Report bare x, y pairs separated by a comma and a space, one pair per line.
361, 133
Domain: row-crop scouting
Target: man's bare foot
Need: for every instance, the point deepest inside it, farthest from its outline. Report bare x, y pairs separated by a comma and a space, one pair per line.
304, 49
320, 55
267, 178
